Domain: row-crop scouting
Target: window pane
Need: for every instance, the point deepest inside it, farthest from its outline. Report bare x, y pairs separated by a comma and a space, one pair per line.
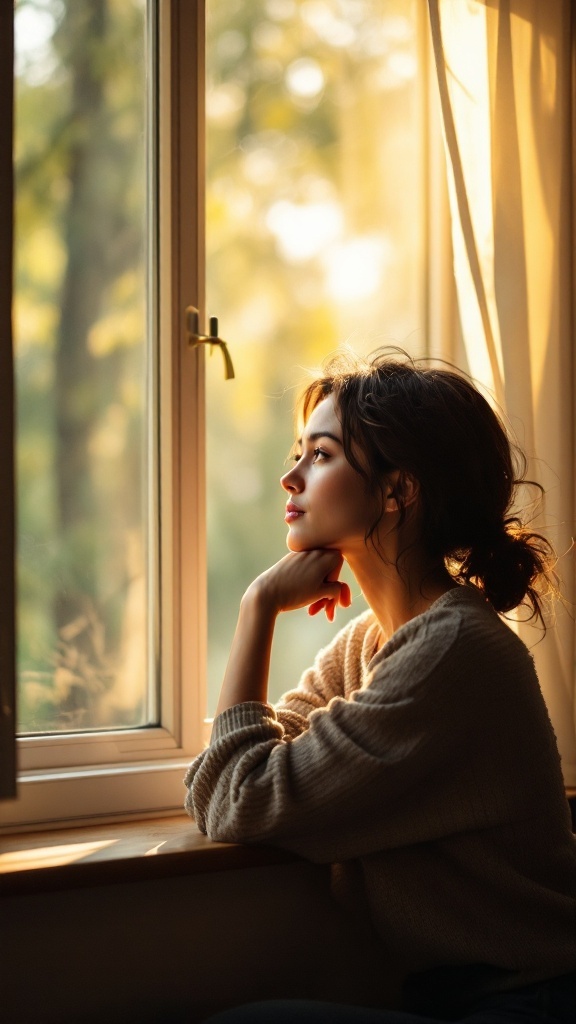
84, 412
315, 237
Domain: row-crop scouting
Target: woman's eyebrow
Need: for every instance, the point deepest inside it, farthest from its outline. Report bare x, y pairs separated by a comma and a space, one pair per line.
318, 435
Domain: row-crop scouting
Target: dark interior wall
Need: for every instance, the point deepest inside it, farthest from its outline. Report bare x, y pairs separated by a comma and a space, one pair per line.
176, 949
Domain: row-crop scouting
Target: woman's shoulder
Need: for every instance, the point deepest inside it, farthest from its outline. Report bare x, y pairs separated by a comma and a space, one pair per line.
458, 611
461, 611
460, 633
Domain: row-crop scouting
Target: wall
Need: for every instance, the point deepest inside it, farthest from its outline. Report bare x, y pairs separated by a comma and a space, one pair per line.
176, 949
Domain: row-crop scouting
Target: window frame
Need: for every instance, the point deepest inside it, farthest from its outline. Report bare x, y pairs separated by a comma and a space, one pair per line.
73, 778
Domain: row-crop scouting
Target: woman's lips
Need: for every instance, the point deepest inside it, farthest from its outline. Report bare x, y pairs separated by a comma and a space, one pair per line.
293, 512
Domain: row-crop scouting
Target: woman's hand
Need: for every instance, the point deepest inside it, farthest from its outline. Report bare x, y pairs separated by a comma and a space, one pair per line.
300, 578
304, 578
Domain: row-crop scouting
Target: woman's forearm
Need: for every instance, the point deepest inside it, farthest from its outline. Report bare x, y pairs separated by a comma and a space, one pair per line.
299, 579
246, 676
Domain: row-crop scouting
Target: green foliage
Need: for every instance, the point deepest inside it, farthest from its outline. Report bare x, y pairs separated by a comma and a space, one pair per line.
80, 354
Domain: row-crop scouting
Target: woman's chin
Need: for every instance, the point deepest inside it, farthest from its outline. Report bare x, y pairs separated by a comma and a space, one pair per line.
299, 544
293, 543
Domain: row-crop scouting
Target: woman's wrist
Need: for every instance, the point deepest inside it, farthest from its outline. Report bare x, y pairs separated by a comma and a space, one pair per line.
260, 600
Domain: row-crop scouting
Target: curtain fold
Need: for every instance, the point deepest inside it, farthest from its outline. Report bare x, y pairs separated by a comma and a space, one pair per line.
505, 76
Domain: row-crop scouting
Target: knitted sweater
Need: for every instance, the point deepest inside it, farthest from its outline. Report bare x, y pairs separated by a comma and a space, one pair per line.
428, 775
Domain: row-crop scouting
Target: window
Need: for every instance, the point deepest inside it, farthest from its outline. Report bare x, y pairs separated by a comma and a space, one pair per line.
108, 243
304, 100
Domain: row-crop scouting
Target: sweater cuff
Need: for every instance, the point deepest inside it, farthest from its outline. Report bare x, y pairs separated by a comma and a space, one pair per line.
239, 716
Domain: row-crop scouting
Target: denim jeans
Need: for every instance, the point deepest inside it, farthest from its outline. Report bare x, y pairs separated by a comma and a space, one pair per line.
547, 1002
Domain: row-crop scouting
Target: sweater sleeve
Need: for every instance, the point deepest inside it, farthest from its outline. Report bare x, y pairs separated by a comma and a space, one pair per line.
440, 740
337, 672
340, 789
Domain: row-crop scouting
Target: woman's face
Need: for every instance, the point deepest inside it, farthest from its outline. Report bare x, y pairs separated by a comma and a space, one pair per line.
328, 504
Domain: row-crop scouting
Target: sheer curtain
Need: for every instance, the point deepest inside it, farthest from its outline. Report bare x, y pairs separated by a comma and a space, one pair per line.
505, 70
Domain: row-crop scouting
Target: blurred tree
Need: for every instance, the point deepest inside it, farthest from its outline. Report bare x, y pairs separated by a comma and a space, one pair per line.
81, 351
102, 241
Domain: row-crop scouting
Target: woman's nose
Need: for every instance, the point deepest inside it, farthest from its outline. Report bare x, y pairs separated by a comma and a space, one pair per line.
291, 481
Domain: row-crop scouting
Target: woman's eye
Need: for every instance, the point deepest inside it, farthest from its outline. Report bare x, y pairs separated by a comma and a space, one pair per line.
319, 453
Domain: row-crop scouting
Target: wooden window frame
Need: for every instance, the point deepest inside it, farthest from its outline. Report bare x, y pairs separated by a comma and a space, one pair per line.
119, 774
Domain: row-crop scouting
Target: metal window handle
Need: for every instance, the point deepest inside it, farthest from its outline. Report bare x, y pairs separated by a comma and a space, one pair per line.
195, 338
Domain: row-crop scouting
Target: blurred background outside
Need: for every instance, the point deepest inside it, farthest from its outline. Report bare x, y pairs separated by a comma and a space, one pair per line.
316, 146
316, 217
82, 364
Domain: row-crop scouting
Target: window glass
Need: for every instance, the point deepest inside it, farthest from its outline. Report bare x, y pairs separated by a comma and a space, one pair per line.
316, 214
83, 361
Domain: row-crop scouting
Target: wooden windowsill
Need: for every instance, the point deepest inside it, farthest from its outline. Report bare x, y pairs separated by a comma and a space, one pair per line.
123, 852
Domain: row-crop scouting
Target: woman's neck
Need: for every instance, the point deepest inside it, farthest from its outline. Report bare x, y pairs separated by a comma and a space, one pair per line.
396, 596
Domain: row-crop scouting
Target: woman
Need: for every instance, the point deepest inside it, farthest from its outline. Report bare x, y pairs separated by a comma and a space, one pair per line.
416, 756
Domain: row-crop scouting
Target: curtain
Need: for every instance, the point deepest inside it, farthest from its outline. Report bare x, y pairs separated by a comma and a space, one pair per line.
505, 74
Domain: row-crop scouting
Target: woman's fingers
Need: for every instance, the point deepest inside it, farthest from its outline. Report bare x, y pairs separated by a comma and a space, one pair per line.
344, 599
329, 603
317, 606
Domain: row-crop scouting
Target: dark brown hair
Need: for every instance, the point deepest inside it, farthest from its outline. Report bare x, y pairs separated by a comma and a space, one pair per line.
432, 422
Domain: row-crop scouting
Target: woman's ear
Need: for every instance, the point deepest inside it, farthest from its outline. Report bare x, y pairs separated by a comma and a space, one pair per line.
402, 490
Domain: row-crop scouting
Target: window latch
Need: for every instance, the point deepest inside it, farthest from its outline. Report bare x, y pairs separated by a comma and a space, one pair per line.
195, 338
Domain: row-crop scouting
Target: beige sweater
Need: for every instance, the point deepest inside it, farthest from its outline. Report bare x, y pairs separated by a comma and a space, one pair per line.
428, 775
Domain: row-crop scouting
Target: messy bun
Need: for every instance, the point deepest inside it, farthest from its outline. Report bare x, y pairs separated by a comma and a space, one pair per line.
434, 424
510, 567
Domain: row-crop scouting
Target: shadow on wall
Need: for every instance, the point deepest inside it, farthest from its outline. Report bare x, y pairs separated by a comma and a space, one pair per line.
175, 950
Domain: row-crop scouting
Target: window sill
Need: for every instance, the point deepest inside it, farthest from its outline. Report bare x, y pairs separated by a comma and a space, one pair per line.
164, 847
122, 852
